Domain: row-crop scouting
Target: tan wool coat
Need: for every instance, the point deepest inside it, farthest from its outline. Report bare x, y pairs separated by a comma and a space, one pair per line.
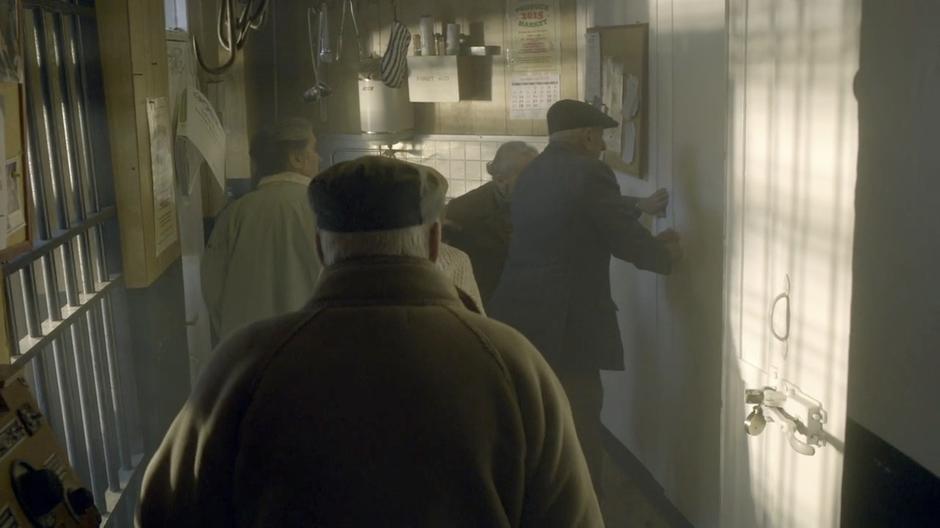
384, 402
261, 260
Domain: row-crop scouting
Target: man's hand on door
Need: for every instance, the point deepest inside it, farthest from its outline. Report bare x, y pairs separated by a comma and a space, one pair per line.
655, 203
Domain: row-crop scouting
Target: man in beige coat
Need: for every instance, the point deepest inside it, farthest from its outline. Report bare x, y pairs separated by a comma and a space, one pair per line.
384, 402
260, 261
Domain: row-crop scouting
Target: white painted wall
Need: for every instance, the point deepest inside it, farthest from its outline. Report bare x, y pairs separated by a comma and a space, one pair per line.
895, 358
665, 407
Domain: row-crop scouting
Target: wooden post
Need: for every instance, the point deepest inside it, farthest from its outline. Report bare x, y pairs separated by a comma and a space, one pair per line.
134, 63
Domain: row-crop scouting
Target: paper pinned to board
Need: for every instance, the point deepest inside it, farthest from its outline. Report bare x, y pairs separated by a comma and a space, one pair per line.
628, 148
592, 67
3, 181
182, 70
13, 192
631, 97
11, 56
533, 94
161, 164
200, 125
613, 100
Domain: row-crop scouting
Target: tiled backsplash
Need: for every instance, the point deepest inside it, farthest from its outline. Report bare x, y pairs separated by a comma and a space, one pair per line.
461, 159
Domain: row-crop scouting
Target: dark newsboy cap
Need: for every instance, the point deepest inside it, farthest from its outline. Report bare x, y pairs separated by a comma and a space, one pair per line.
376, 193
568, 114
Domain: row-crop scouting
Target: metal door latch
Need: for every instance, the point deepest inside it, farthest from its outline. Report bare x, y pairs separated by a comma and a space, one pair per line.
795, 412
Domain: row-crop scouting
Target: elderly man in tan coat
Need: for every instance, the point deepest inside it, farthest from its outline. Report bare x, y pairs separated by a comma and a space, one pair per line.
260, 261
384, 402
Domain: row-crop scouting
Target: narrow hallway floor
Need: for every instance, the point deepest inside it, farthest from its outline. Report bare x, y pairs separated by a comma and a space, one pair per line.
626, 505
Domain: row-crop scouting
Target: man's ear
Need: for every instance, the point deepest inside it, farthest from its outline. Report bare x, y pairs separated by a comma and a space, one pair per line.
295, 160
434, 241
319, 248
587, 137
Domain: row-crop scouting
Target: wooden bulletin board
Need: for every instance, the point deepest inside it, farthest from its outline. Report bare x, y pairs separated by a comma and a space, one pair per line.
629, 45
14, 169
15, 223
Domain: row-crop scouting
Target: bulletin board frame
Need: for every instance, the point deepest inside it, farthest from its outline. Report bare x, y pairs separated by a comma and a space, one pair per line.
17, 223
20, 239
629, 45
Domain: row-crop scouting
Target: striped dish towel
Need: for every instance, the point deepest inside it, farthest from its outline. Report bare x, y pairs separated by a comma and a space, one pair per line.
395, 61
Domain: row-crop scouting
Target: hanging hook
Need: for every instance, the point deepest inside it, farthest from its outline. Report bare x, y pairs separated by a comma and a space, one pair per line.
233, 31
228, 9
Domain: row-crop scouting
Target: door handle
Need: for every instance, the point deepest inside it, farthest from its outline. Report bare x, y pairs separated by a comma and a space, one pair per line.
790, 427
773, 401
785, 296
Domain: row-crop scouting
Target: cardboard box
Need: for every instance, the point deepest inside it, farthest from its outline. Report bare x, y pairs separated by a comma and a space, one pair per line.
28, 444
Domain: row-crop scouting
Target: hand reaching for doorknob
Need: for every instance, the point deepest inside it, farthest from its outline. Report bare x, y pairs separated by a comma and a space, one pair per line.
670, 240
655, 203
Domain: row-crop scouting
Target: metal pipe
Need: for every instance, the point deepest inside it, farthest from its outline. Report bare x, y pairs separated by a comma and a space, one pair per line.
28, 290
98, 482
114, 382
103, 401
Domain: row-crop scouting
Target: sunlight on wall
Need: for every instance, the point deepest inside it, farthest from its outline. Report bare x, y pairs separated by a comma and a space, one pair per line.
793, 168
672, 326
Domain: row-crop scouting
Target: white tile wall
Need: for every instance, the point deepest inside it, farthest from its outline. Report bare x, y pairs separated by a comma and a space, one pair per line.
461, 159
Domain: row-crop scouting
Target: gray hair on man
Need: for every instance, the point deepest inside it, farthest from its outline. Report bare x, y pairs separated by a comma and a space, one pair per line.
411, 241
572, 135
508, 159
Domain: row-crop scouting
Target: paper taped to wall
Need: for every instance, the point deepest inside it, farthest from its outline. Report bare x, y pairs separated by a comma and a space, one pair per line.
628, 152
161, 164
533, 94
13, 180
592, 68
182, 69
3, 184
199, 124
631, 97
534, 58
613, 99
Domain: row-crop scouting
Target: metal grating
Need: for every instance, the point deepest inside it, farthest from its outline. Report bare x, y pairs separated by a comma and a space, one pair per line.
64, 294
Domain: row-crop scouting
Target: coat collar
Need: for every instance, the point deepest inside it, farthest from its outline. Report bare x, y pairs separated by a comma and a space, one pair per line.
562, 146
285, 177
385, 281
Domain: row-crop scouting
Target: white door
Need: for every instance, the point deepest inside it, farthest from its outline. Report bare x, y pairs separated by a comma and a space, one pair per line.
792, 167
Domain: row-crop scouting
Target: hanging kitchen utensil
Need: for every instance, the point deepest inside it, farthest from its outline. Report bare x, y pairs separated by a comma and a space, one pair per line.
323, 30
348, 7
233, 31
320, 88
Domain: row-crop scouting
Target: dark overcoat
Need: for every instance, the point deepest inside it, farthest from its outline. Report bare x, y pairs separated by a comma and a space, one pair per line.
568, 219
479, 224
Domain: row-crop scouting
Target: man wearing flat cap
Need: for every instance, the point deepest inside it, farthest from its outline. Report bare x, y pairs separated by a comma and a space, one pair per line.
260, 261
385, 401
568, 220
